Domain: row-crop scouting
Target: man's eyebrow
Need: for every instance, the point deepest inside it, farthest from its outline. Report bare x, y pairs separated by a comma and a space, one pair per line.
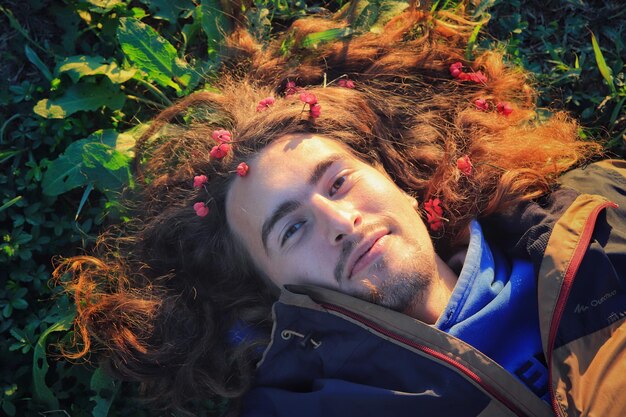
280, 212
288, 206
321, 168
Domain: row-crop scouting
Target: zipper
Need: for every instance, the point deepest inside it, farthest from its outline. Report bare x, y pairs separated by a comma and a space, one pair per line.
431, 352
566, 286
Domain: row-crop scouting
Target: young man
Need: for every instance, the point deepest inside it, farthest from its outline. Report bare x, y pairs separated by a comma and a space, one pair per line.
326, 225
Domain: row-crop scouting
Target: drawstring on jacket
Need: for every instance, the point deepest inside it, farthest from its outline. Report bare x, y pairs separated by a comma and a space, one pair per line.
287, 334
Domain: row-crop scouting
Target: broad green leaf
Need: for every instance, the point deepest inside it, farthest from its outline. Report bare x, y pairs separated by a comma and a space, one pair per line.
105, 389
214, 24
82, 65
121, 142
106, 167
64, 173
150, 52
81, 97
604, 69
36, 61
87, 162
41, 392
187, 76
312, 40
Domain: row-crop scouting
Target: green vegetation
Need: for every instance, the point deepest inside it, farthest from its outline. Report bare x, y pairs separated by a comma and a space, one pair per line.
576, 50
79, 77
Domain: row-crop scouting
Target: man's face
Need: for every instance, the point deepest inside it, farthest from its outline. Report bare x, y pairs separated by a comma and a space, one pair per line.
310, 212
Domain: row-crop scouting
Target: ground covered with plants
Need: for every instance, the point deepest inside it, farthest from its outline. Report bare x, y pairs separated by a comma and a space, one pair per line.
77, 79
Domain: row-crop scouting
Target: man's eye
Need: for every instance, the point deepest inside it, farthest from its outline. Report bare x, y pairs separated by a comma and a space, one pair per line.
337, 185
291, 231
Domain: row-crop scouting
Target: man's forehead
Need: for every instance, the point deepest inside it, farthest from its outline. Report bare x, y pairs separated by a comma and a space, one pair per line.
282, 168
305, 147
295, 155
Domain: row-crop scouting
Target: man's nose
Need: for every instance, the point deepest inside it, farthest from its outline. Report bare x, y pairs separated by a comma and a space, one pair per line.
337, 218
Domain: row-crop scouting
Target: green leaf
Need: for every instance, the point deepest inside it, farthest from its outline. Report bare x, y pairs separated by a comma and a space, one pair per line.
83, 199
18, 335
387, 11
81, 97
20, 239
8, 407
41, 392
616, 111
105, 390
10, 203
472, 40
214, 23
82, 65
36, 61
151, 53
89, 161
109, 169
366, 13
259, 23
312, 40
604, 69
483, 8
10, 390
64, 173
104, 4
373, 15
16, 346
121, 142
167, 9
3, 128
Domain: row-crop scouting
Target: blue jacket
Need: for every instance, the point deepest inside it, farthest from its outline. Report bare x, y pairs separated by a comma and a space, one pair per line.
334, 355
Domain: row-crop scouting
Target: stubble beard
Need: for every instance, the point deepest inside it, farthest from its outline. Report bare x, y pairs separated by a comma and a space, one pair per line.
401, 289
398, 292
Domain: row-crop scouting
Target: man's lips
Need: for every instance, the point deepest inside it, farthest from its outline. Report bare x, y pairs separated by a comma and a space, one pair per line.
370, 248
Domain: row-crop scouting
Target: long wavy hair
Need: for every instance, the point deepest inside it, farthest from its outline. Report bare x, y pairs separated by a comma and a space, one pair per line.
159, 300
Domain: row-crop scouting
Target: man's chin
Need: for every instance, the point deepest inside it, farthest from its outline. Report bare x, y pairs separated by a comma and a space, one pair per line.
400, 293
